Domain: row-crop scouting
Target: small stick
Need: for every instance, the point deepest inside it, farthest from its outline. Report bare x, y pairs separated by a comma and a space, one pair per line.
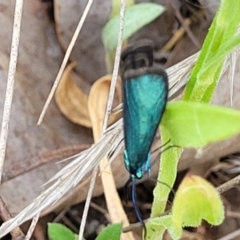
185, 26
229, 184
10, 82
32, 227
101, 210
16, 233
233, 235
65, 60
176, 36
28, 165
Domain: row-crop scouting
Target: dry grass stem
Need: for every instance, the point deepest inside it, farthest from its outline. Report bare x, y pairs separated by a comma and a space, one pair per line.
65, 60
10, 82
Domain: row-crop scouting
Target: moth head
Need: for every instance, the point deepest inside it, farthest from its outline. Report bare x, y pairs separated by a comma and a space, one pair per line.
137, 56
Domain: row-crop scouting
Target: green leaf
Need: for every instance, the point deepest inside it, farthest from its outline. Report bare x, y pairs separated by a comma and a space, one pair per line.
226, 48
204, 88
112, 232
205, 75
192, 124
162, 223
136, 16
58, 231
195, 200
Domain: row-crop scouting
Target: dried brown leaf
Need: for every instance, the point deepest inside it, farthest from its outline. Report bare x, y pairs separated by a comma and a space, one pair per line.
97, 101
71, 100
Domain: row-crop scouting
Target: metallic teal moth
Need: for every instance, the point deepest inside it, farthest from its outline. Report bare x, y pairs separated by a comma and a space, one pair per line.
145, 94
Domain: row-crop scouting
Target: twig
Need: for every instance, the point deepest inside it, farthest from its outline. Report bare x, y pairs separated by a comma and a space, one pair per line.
116, 67
185, 26
138, 224
232, 235
27, 165
39, 232
87, 203
61, 215
69, 224
32, 227
65, 60
108, 111
228, 185
233, 214
16, 233
101, 210
176, 36
10, 82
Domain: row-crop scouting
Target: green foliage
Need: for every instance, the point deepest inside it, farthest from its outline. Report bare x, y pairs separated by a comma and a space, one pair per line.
220, 41
58, 231
136, 16
207, 205
192, 124
112, 232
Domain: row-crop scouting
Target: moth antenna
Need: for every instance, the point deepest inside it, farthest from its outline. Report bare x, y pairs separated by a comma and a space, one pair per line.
126, 189
164, 150
136, 208
165, 184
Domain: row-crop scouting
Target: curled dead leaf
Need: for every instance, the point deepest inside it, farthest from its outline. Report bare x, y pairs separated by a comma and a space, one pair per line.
71, 100
97, 102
